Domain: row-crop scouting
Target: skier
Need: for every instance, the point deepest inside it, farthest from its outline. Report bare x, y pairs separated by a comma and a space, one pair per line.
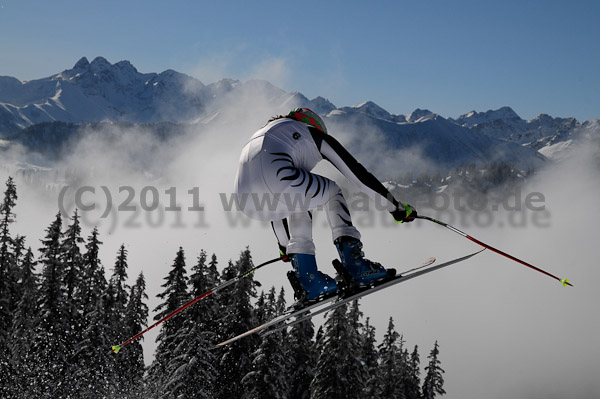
274, 183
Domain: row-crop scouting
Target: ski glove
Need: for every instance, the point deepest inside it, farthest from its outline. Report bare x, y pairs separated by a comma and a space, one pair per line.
408, 214
284, 256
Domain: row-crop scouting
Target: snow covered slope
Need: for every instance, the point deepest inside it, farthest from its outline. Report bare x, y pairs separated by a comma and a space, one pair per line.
439, 143
504, 123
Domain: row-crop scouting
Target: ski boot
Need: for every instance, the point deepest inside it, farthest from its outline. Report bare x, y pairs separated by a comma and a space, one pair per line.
308, 283
356, 271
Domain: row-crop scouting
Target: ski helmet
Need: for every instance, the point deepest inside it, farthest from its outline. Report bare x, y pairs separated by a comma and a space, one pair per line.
309, 117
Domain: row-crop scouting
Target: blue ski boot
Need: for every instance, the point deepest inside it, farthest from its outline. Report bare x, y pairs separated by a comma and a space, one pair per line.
308, 283
356, 271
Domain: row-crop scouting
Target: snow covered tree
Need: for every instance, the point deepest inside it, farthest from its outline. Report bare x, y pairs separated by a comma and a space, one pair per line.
204, 278
94, 282
433, 383
93, 373
301, 357
339, 372
268, 377
369, 358
116, 301
300, 354
72, 258
23, 329
94, 367
389, 372
412, 381
118, 289
261, 311
280, 305
18, 254
51, 341
72, 261
52, 289
119, 278
213, 271
8, 279
237, 316
172, 331
25, 314
136, 319
193, 363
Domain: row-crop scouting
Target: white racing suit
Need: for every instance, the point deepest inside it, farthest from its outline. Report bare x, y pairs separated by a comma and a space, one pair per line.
274, 183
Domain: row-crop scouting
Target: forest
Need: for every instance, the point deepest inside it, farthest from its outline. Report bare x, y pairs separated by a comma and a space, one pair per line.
61, 310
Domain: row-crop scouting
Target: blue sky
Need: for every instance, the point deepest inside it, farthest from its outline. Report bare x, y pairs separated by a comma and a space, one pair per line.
448, 56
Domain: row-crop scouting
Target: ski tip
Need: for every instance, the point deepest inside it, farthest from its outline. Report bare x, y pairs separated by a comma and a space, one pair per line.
565, 282
116, 348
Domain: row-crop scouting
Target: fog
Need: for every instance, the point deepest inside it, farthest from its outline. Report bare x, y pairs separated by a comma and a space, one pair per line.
505, 331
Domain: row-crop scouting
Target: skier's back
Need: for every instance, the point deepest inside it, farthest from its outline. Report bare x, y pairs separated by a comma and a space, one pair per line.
275, 176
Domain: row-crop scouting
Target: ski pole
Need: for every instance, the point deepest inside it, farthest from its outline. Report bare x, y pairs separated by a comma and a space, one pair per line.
564, 281
117, 348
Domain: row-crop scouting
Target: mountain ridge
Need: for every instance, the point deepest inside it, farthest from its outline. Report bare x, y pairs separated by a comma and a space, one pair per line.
99, 91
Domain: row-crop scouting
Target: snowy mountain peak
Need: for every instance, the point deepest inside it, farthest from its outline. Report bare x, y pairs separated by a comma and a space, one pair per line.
82, 63
506, 113
127, 66
101, 91
418, 114
474, 118
369, 108
321, 105
100, 62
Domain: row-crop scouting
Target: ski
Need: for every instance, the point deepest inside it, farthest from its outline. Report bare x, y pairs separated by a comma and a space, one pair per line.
290, 313
405, 276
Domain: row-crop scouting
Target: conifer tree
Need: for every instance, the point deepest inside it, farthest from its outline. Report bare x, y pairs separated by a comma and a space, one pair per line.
338, 372
94, 374
119, 278
412, 382
369, 358
193, 363
94, 280
72, 261
172, 330
280, 304
301, 357
261, 312
117, 296
433, 383
51, 342
389, 372
267, 378
8, 283
24, 322
6, 218
18, 254
136, 319
118, 289
25, 315
213, 271
237, 316
204, 278
354, 367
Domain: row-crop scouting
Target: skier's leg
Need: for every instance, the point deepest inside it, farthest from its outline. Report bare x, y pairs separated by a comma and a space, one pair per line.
357, 270
282, 233
338, 216
308, 282
301, 241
